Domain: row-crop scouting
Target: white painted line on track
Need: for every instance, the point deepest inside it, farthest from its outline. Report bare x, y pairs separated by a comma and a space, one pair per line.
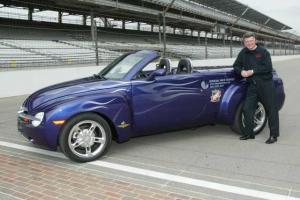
9, 195
32, 149
165, 176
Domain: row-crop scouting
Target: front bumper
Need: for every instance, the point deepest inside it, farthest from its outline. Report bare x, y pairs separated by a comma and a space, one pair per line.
36, 135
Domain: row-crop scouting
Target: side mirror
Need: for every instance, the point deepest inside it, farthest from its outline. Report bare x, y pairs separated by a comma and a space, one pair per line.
158, 72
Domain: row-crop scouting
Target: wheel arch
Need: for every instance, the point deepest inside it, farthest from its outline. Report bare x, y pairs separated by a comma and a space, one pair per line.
232, 98
106, 118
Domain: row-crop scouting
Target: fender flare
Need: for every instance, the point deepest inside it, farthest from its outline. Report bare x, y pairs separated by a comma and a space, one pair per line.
232, 98
115, 113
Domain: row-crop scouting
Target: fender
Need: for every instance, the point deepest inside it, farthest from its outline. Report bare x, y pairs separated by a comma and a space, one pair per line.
233, 96
279, 92
113, 106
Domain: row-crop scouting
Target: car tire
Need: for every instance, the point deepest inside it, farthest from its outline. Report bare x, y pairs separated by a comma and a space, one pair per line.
85, 137
260, 119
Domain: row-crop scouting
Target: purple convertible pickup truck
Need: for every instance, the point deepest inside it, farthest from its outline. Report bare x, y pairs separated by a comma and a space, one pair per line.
137, 94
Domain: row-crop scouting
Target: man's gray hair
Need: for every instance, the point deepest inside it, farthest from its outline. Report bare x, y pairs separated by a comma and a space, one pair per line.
248, 34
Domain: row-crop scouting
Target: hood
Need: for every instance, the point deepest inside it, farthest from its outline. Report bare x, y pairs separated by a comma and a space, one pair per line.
69, 90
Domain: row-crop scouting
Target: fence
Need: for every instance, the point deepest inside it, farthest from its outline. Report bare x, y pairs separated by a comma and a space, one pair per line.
62, 45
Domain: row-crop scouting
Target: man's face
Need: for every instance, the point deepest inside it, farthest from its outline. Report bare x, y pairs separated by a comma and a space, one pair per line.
250, 42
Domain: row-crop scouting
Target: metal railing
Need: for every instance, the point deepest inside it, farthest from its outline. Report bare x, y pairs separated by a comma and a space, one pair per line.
37, 47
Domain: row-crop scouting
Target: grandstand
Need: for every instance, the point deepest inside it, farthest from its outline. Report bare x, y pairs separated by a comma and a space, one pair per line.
105, 29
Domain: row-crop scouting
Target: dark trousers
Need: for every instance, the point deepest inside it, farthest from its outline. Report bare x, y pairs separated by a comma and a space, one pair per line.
264, 91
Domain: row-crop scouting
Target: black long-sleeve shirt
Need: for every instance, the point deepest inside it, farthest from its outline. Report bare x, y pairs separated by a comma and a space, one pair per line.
258, 60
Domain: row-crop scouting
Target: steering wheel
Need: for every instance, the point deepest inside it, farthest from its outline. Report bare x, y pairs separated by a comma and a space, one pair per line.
140, 75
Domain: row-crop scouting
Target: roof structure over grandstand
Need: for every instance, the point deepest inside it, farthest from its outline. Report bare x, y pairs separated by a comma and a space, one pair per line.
236, 8
65, 32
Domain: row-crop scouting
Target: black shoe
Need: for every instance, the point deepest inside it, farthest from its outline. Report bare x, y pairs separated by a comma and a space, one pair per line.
246, 137
271, 140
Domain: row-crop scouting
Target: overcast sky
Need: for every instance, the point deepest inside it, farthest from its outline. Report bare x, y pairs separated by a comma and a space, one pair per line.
285, 11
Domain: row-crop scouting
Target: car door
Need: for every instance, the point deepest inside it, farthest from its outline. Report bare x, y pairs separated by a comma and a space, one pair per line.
170, 102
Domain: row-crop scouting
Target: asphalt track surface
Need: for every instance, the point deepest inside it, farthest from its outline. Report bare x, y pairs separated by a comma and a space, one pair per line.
206, 162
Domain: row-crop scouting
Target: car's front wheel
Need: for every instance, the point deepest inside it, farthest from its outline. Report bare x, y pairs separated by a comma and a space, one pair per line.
85, 137
260, 119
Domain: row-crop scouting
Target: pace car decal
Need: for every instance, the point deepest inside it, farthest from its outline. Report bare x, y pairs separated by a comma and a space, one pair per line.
219, 83
204, 85
215, 96
123, 125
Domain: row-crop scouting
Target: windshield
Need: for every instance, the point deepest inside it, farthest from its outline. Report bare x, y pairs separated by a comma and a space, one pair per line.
122, 67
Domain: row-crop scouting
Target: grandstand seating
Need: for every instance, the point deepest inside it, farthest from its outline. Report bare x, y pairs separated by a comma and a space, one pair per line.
11, 57
22, 47
21, 53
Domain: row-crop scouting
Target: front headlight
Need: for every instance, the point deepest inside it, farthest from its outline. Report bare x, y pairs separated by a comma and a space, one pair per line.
38, 119
21, 110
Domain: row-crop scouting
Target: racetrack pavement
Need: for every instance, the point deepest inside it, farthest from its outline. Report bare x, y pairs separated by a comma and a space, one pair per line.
211, 153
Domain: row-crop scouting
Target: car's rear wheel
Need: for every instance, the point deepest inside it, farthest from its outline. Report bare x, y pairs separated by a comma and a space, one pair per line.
260, 119
85, 137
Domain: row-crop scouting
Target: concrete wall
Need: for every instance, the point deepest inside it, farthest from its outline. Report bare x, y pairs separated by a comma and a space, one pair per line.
23, 82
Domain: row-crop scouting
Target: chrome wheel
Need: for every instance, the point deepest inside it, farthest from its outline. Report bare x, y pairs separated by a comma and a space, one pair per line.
87, 139
259, 117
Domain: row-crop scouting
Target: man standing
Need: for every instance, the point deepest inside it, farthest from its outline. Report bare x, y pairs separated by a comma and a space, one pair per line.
254, 63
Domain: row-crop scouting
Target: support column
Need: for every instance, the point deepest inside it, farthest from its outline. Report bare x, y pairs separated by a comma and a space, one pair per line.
174, 30
105, 22
94, 36
159, 34
159, 27
123, 24
284, 47
151, 27
138, 26
165, 36
199, 40
294, 48
231, 53
84, 20
30, 12
224, 44
59, 17
206, 52
273, 46
92, 26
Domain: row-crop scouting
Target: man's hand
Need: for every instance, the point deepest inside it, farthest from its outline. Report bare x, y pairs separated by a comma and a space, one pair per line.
246, 73
250, 72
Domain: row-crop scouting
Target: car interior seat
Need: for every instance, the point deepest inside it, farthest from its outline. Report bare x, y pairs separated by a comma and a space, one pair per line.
164, 63
184, 66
